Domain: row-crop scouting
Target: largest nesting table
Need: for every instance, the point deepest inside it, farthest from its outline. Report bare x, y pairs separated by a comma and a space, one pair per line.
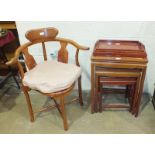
118, 55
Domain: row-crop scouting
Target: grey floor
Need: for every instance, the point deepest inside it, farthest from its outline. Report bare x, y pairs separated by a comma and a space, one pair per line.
14, 116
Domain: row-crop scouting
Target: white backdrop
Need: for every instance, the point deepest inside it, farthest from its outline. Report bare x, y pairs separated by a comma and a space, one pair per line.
86, 33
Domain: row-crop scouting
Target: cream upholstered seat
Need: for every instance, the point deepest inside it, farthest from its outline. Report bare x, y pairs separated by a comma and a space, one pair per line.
53, 79
51, 76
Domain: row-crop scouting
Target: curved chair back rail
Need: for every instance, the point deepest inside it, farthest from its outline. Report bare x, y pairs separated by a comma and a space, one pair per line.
41, 36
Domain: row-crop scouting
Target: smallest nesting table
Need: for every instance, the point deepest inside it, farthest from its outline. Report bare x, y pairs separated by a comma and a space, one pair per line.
122, 63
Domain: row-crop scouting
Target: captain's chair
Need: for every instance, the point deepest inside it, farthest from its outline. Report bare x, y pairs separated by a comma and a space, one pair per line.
55, 79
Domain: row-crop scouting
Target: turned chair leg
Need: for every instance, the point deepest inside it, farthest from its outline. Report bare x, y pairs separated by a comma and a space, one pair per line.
100, 98
80, 91
63, 111
127, 91
29, 106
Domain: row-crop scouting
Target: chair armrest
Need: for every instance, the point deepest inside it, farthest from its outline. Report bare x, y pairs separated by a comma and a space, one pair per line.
84, 48
11, 61
17, 54
73, 43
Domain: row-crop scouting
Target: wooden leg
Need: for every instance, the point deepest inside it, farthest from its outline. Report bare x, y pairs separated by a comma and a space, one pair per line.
136, 111
96, 102
96, 97
64, 117
127, 91
132, 96
92, 89
29, 106
80, 91
100, 99
136, 95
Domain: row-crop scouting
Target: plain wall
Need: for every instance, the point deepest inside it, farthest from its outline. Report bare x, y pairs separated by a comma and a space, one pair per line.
86, 33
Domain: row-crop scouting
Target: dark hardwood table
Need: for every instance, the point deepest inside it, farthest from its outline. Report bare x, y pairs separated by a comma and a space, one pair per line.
118, 55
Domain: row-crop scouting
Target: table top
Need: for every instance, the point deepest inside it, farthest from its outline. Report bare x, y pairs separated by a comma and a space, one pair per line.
119, 48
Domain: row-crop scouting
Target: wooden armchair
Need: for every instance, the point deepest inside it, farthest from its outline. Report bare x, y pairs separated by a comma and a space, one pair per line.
55, 79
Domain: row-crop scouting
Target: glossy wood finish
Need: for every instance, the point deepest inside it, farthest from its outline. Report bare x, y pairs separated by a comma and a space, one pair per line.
124, 48
106, 78
115, 56
29, 59
42, 36
63, 53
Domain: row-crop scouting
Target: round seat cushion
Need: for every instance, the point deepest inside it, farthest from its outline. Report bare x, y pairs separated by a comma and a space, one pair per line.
51, 76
